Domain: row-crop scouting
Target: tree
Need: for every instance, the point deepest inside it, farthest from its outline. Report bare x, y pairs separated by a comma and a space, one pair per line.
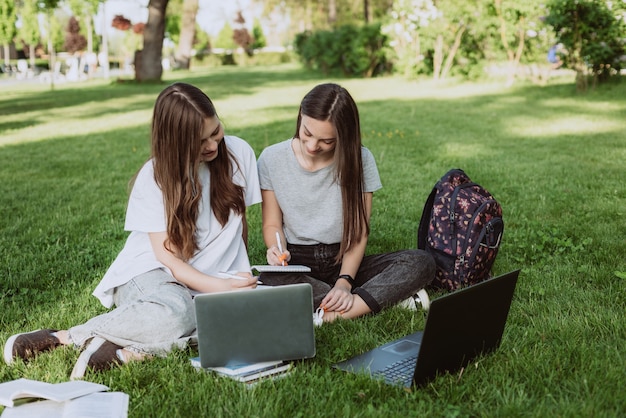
407, 21
514, 21
74, 40
148, 66
85, 10
592, 34
241, 36
258, 36
224, 38
182, 56
28, 33
8, 18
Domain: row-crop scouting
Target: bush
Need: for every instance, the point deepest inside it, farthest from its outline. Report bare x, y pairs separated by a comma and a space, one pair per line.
242, 59
592, 34
349, 50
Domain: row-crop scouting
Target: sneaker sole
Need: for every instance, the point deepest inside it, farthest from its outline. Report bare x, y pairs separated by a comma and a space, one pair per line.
423, 295
83, 360
8, 349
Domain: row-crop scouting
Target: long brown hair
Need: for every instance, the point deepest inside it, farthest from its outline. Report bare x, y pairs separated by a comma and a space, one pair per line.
331, 102
178, 121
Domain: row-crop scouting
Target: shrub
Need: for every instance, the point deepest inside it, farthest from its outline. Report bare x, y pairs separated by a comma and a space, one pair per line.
349, 50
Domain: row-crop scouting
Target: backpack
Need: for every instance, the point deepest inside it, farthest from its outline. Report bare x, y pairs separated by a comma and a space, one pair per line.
461, 227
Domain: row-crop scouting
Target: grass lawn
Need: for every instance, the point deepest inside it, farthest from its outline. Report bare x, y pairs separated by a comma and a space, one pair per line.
552, 157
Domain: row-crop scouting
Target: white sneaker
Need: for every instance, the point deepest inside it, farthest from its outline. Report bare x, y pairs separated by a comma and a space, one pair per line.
419, 301
318, 317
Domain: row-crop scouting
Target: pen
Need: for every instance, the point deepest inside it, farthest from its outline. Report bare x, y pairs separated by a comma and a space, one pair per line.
234, 276
280, 247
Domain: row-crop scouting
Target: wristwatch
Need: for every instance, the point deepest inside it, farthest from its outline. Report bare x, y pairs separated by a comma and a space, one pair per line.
348, 278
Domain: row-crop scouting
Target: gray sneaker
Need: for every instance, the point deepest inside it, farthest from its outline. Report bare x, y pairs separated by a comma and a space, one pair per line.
99, 355
417, 302
27, 345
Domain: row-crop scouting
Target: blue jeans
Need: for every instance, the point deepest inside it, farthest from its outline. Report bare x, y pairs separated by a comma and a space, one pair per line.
382, 280
153, 314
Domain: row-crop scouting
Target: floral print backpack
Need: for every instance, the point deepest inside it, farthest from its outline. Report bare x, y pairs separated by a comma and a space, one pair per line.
461, 227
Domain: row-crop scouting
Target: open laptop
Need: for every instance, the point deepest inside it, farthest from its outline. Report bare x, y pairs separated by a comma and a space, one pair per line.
459, 327
258, 325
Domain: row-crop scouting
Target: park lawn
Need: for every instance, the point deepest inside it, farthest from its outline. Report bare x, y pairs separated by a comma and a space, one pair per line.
554, 159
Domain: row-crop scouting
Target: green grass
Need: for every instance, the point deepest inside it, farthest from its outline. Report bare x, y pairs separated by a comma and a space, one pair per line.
553, 158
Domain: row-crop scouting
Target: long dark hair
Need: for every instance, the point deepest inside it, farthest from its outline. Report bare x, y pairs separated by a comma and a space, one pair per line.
178, 121
331, 102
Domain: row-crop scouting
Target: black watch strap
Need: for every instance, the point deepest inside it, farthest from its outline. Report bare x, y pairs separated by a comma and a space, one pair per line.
348, 278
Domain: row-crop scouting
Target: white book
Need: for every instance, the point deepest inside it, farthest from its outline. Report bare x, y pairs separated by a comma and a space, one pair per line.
58, 392
95, 405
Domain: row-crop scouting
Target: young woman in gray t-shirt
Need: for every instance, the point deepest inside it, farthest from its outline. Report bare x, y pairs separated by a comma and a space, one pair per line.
317, 197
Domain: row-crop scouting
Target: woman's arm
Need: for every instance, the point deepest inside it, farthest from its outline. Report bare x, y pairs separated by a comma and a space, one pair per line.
191, 277
272, 225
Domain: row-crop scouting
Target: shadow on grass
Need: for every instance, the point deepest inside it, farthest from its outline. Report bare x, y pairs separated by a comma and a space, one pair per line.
217, 83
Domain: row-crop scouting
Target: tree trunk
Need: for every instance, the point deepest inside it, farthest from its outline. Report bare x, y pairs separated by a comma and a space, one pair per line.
31, 55
455, 47
332, 12
150, 68
366, 11
187, 34
7, 58
438, 57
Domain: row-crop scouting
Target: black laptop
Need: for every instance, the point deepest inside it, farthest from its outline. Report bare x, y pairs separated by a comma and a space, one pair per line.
459, 327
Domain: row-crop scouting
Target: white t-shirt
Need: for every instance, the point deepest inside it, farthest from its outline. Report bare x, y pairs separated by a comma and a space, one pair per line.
309, 200
221, 248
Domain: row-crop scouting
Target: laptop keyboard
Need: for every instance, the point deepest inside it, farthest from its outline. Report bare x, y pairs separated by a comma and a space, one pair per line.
400, 372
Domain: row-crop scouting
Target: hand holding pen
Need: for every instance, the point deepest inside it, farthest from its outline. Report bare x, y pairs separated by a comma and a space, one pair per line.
276, 255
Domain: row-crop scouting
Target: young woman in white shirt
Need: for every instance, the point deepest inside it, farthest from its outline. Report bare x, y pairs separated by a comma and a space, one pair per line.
186, 217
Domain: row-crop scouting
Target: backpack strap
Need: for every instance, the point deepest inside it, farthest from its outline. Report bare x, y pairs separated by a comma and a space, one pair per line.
422, 230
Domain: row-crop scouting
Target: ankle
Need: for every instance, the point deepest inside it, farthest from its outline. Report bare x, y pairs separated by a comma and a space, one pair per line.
126, 355
63, 336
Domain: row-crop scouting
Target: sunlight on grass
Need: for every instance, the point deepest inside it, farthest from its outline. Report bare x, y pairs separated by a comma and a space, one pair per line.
567, 125
464, 150
80, 120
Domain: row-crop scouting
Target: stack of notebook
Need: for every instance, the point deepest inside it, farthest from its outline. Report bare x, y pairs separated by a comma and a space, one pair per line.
248, 372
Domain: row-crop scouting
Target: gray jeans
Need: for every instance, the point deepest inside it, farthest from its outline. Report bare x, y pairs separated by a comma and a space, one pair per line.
382, 280
153, 314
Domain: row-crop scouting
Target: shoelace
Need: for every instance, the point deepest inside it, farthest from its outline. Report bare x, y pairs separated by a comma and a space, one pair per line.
318, 316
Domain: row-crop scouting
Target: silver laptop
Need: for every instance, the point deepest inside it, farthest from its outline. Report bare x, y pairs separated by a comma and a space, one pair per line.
459, 327
249, 326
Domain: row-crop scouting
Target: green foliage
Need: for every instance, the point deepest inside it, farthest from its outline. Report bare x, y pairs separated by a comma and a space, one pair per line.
172, 27
257, 34
29, 31
348, 50
593, 35
224, 38
8, 18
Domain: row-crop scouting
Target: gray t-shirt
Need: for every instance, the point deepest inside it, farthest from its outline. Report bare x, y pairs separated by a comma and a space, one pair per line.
310, 201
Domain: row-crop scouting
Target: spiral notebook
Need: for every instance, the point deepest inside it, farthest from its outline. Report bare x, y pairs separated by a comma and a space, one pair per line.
293, 268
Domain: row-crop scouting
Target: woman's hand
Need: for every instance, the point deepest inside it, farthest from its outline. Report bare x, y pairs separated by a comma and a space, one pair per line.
276, 258
247, 281
339, 299
239, 281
